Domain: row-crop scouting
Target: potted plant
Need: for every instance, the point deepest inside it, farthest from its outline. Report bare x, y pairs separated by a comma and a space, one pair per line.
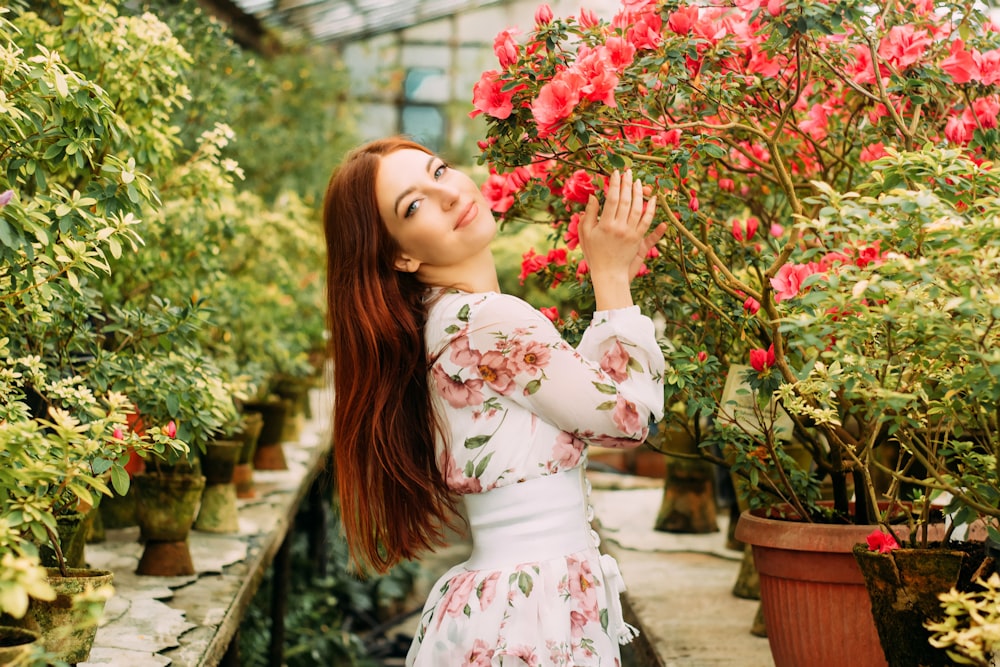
819, 166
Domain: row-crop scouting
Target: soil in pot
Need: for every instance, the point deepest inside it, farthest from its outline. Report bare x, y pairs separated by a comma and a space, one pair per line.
16, 644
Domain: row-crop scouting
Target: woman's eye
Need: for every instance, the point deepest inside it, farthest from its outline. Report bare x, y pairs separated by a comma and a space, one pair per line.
411, 209
440, 171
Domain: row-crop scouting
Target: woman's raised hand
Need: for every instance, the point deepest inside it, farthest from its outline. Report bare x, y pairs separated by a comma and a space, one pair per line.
616, 242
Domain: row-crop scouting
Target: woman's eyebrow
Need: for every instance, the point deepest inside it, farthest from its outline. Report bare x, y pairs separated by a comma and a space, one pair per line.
410, 189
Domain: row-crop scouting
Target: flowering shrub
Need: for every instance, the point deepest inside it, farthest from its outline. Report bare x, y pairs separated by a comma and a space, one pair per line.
826, 172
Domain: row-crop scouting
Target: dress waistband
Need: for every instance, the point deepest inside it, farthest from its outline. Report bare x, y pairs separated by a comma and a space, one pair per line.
540, 519
535, 520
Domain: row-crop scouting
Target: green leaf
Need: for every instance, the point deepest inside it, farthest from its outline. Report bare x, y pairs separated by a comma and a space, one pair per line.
463, 313
119, 479
525, 583
532, 387
477, 441
605, 388
481, 466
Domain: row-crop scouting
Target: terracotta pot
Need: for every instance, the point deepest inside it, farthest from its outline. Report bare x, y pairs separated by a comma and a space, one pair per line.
243, 480
166, 506
66, 632
16, 644
904, 585
813, 596
218, 512
273, 413
253, 422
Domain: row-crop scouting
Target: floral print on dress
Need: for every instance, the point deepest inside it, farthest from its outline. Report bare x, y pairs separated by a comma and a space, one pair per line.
516, 402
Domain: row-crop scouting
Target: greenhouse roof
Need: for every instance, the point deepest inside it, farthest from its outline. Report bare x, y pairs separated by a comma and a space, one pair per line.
342, 20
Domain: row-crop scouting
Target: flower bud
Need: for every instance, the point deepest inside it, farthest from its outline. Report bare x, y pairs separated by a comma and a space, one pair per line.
543, 15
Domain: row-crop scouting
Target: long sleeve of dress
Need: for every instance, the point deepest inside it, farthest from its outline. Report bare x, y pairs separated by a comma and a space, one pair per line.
605, 391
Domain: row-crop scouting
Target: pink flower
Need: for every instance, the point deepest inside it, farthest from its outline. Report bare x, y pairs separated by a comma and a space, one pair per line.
572, 236
566, 451
582, 269
588, 19
497, 191
487, 590
646, 32
761, 359
489, 97
552, 313
543, 15
455, 478
524, 653
693, 202
531, 357
881, 542
555, 102
751, 305
620, 52
531, 262
776, 230
5, 197
702, 355
872, 152
682, 21
583, 593
579, 187
506, 48
957, 132
904, 45
458, 393
462, 352
118, 434
495, 370
961, 65
986, 110
170, 430
460, 588
615, 362
626, 416
789, 280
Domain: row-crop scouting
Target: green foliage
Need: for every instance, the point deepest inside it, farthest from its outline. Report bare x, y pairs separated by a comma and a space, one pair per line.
328, 617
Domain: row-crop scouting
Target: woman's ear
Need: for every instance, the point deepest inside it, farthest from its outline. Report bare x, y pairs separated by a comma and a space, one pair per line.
406, 264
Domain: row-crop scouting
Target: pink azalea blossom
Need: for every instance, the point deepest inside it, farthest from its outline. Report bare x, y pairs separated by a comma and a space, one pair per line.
986, 110
556, 101
904, 45
572, 236
579, 187
550, 312
957, 131
588, 19
5, 197
543, 15
751, 305
872, 152
506, 48
789, 280
961, 65
489, 97
702, 355
170, 430
761, 359
881, 542
498, 193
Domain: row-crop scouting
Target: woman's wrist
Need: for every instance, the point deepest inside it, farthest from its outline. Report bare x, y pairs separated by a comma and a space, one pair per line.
612, 292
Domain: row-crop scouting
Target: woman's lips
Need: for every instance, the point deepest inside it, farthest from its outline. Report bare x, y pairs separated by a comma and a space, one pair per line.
468, 216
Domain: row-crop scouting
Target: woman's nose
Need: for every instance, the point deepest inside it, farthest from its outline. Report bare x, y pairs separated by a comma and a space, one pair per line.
448, 194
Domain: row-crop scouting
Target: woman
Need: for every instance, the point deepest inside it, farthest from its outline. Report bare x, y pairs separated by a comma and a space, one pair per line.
444, 387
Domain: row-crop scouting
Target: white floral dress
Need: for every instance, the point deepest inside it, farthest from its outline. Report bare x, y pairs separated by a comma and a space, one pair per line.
519, 406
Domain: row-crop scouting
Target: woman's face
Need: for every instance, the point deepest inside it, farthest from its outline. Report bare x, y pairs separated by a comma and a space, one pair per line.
436, 214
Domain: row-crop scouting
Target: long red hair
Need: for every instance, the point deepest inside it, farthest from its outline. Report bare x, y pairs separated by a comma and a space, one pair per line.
393, 498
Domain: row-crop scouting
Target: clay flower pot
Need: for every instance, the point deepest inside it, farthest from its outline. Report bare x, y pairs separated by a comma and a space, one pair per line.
16, 644
166, 505
66, 632
218, 513
269, 454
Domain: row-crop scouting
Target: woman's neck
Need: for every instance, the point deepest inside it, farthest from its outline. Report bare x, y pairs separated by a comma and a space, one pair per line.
475, 275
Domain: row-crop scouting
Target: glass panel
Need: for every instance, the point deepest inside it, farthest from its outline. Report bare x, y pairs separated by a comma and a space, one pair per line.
425, 84
425, 124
